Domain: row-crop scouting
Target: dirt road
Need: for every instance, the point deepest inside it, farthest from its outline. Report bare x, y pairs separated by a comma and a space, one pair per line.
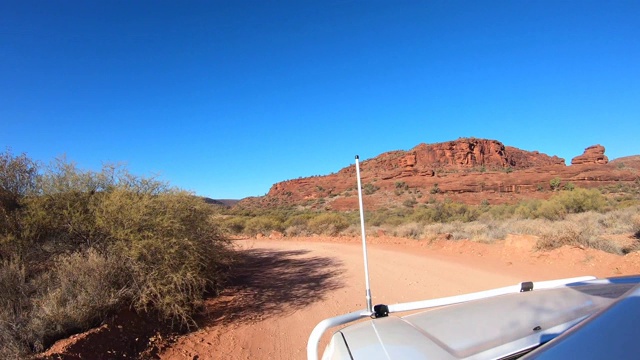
284, 288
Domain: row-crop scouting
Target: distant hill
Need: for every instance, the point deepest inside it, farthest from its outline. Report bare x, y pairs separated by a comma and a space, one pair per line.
221, 202
630, 161
467, 170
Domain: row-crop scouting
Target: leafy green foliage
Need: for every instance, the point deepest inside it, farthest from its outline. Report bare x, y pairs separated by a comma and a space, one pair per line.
555, 183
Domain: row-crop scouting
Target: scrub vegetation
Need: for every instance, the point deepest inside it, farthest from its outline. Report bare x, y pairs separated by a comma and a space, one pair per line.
572, 216
77, 245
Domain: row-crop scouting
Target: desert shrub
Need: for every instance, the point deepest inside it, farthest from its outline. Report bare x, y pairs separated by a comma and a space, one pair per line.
580, 200
527, 209
87, 242
554, 183
298, 225
328, 224
409, 230
393, 217
456, 230
376, 218
401, 185
301, 219
263, 224
551, 210
431, 230
297, 230
557, 236
18, 176
428, 214
446, 211
469, 231
526, 226
231, 224
174, 252
410, 202
14, 308
369, 189
352, 230
81, 289
488, 231
575, 233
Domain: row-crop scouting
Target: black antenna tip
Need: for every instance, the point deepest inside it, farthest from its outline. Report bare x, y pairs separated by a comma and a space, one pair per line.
357, 157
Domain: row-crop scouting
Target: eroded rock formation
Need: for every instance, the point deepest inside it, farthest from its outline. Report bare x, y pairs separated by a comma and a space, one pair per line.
468, 170
592, 155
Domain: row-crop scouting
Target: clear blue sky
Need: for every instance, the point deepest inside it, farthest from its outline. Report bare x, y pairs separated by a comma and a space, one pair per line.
226, 98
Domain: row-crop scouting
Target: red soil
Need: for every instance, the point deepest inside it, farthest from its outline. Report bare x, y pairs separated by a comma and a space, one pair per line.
283, 288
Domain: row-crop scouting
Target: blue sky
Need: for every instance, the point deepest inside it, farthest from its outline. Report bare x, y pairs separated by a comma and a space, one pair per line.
226, 98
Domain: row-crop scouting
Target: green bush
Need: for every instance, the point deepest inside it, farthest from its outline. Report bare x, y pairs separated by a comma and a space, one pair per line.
298, 225
446, 211
234, 225
551, 210
554, 183
328, 224
527, 209
263, 224
581, 200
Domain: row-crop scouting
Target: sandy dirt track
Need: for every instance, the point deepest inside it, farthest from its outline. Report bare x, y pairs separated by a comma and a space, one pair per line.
285, 287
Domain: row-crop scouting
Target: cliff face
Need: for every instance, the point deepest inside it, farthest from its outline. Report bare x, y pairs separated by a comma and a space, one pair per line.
469, 170
469, 153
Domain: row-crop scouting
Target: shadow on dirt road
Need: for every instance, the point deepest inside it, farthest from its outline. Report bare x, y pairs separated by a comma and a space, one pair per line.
268, 282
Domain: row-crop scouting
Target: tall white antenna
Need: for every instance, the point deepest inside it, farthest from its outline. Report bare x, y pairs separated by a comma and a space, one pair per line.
364, 239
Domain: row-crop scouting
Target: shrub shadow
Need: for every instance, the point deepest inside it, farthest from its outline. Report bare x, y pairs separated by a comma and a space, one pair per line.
268, 283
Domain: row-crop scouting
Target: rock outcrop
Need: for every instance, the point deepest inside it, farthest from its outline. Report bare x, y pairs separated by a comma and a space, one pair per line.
465, 154
592, 155
472, 152
467, 170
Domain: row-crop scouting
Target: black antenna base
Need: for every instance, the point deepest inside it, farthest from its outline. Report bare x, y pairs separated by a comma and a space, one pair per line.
380, 310
526, 286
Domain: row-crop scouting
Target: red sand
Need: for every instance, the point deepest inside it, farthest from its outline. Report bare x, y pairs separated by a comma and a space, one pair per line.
286, 286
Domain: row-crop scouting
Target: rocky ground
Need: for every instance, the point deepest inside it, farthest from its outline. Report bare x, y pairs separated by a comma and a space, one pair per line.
283, 288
